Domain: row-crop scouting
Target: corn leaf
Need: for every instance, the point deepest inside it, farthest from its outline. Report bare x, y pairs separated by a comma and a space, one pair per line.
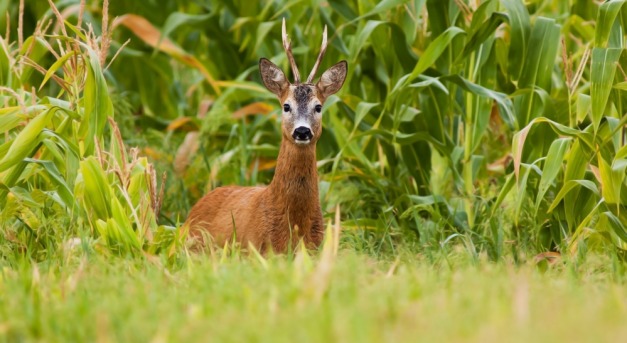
602, 70
552, 166
23, 144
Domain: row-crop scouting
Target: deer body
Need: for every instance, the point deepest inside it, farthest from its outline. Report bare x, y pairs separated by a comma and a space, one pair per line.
278, 216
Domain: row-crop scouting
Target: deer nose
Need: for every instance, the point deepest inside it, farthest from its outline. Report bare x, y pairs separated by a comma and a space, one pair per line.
302, 133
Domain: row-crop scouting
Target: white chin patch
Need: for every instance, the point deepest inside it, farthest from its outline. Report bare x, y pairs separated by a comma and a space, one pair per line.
301, 142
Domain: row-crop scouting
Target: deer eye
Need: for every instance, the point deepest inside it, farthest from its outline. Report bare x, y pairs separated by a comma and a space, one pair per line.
318, 108
286, 107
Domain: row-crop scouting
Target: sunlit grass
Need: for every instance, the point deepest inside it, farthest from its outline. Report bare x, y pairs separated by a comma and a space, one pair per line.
365, 300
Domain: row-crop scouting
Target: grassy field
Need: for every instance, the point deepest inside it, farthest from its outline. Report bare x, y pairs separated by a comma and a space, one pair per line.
355, 299
472, 170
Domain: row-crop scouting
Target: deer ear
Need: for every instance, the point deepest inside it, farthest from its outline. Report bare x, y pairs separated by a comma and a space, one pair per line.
273, 78
332, 79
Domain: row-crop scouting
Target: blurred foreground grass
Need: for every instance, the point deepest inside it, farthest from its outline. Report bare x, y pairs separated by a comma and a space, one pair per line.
360, 299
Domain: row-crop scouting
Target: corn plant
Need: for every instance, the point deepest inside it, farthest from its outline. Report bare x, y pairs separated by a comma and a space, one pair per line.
491, 124
59, 175
573, 181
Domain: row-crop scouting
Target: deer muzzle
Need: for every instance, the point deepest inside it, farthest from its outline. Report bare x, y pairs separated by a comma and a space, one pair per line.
302, 135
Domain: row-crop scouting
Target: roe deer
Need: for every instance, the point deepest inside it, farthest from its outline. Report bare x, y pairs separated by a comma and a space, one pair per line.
279, 215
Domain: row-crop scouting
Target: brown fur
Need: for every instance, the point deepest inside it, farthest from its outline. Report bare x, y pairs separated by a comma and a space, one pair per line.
273, 217
278, 216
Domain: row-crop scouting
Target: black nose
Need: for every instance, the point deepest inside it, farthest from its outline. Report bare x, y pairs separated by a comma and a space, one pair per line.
302, 134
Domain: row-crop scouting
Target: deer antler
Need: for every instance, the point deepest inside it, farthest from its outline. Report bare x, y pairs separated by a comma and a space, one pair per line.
323, 49
287, 45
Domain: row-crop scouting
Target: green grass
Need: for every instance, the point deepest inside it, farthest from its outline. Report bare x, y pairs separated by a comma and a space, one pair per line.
361, 299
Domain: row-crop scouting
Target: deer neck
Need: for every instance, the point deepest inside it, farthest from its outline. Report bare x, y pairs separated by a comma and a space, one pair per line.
295, 183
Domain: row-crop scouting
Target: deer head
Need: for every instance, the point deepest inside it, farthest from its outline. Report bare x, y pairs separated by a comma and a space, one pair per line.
302, 102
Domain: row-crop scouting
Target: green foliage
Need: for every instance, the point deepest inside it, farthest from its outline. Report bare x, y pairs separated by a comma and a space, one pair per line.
461, 122
466, 131
56, 181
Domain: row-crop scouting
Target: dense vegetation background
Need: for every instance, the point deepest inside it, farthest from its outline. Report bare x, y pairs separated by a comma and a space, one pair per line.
466, 131
494, 125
